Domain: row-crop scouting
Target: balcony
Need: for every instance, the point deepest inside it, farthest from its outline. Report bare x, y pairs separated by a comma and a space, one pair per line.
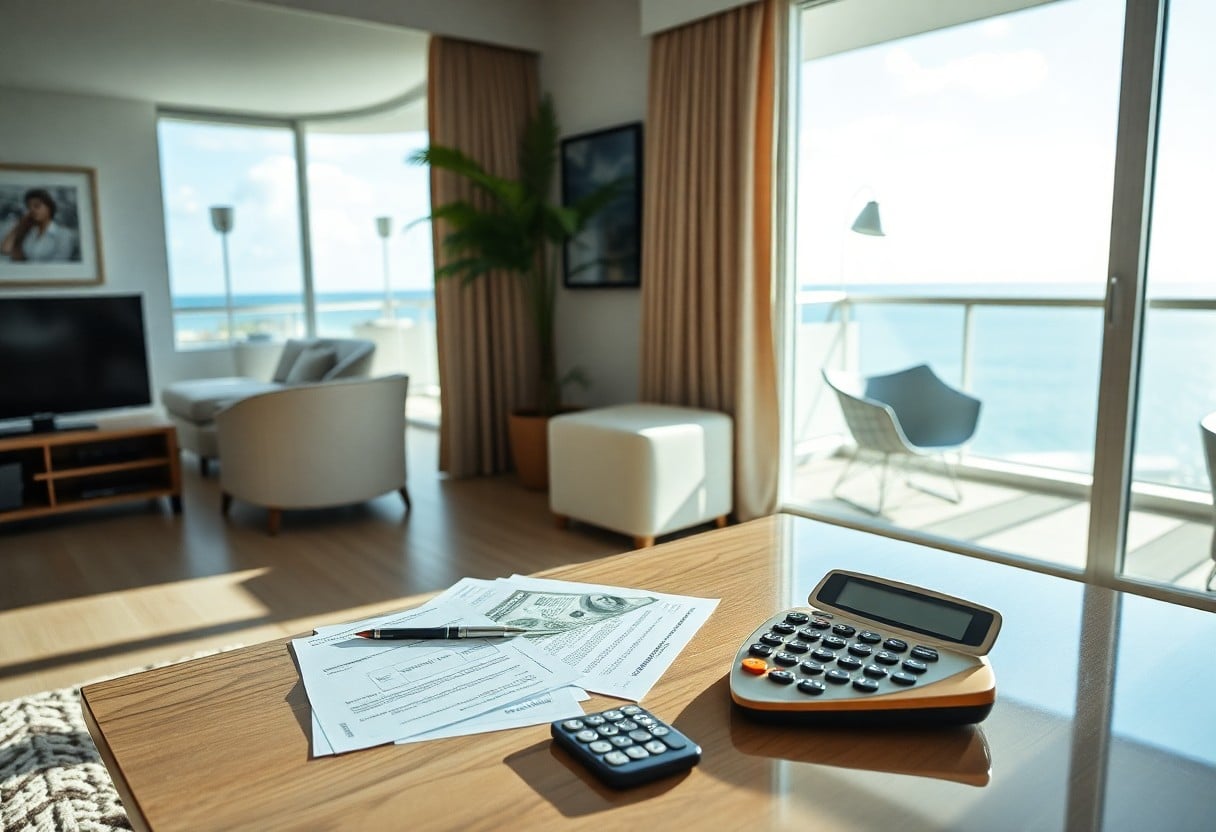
1025, 477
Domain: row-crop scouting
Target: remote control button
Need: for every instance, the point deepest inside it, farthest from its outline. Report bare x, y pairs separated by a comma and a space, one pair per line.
923, 653
865, 685
868, 637
833, 643
627, 725
797, 618
613, 716
594, 719
608, 730
914, 666
631, 710
786, 659
640, 736
901, 678
783, 628
844, 630
874, 671
848, 662
756, 667
615, 758
820, 623
811, 668
573, 725
895, 645
814, 687
622, 741
884, 657
810, 636
600, 747
655, 747
586, 735
674, 741
772, 639
781, 677
821, 655
760, 650
838, 677
797, 646
860, 649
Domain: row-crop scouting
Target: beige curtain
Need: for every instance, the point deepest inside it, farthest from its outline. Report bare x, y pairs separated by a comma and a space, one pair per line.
707, 261
479, 98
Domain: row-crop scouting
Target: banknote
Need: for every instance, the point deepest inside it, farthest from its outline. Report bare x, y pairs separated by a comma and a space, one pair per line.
546, 613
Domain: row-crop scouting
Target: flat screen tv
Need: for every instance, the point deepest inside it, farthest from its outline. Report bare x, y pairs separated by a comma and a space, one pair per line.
70, 354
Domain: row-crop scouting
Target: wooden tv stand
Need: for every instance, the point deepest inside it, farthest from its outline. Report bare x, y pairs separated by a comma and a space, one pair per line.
74, 470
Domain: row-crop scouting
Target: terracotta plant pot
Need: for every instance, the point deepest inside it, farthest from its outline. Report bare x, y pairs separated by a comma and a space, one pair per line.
529, 435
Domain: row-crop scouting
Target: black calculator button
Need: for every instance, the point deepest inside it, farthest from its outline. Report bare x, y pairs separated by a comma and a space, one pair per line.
613, 716
839, 677
797, 646
601, 746
786, 659
844, 630
848, 662
674, 740
781, 677
573, 725
819, 654
608, 730
914, 666
655, 747
923, 653
901, 678
874, 671
869, 637
627, 725
660, 730
773, 639
594, 719
615, 758
586, 735
814, 687
883, 657
860, 649
797, 618
820, 623
865, 685
811, 668
809, 635
833, 643
636, 752
783, 628
760, 650
622, 741
631, 710
895, 645
638, 735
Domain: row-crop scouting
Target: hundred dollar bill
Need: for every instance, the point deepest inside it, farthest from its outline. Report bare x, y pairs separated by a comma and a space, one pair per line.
546, 613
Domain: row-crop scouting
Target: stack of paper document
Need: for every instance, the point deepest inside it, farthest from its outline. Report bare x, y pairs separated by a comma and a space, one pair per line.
583, 637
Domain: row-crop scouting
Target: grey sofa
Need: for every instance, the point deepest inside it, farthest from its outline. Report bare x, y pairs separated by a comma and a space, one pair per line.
192, 405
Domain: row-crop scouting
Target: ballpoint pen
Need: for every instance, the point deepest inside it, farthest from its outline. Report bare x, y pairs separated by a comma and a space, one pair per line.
459, 631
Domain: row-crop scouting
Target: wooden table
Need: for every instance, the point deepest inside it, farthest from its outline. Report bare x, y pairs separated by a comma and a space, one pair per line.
1103, 721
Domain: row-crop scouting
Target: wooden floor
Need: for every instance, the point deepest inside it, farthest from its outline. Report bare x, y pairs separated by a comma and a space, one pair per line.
107, 591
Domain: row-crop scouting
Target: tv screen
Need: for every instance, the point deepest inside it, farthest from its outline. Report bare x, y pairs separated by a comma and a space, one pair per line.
66, 354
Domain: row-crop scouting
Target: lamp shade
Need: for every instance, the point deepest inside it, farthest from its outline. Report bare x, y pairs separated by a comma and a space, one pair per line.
221, 218
868, 221
384, 226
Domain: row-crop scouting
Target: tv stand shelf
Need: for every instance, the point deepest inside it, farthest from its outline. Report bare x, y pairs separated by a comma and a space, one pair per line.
74, 470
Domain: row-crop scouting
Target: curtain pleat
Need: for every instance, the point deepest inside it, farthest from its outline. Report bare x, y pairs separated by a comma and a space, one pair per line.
479, 98
707, 264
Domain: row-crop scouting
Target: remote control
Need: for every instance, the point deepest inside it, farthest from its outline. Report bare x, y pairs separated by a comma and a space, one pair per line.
626, 746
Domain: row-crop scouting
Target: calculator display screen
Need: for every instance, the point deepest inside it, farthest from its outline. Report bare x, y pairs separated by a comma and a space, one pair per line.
918, 613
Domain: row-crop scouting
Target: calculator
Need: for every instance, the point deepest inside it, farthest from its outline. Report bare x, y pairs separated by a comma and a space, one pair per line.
870, 651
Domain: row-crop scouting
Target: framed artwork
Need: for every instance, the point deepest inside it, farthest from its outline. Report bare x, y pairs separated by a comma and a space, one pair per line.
608, 252
48, 226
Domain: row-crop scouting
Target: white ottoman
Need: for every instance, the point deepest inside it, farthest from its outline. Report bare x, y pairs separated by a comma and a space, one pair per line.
641, 469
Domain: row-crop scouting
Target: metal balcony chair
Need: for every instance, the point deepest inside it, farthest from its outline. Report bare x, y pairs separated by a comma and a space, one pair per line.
1207, 429
905, 415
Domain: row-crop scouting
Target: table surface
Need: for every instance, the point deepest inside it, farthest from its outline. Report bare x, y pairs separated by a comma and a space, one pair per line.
1102, 720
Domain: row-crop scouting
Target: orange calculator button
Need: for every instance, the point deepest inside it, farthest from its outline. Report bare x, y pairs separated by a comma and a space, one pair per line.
755, 666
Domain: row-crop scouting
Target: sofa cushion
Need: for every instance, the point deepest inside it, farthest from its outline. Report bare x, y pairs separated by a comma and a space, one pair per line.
287, 359
312, 364
198, 400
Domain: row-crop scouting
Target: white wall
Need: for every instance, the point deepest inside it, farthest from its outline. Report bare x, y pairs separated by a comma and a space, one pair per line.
595, 66
118, 139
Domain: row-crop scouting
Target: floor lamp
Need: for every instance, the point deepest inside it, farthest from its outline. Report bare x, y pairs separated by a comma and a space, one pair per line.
384, 227
221, 221
869, 223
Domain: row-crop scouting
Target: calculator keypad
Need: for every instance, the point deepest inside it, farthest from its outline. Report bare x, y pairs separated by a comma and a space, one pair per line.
628, 746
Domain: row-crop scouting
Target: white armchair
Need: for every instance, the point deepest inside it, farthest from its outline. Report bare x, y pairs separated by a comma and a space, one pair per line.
313, 446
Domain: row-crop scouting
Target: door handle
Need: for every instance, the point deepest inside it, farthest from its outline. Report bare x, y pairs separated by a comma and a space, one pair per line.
1112, 300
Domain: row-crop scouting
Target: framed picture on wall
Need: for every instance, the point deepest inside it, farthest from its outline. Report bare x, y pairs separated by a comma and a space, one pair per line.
608, 252
48, 226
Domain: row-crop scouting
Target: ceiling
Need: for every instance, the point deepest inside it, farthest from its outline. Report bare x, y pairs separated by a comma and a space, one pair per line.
230, 56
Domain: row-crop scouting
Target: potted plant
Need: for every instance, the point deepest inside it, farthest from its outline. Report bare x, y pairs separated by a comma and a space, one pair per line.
516, 228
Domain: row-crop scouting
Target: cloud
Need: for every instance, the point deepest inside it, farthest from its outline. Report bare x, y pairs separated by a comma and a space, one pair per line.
985, 74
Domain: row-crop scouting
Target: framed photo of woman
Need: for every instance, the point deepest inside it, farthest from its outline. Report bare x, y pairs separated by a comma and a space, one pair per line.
48, 226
